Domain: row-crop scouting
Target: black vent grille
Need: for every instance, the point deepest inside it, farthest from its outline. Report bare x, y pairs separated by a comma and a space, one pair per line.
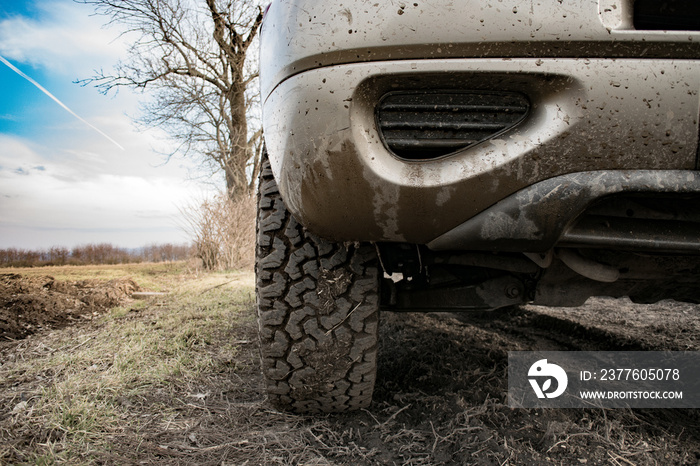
667, 15
427, 125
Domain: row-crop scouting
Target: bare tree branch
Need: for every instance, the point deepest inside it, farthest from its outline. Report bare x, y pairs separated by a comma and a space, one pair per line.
191, 56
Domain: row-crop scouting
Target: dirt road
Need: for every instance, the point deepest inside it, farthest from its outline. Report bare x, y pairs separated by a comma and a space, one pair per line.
440, 396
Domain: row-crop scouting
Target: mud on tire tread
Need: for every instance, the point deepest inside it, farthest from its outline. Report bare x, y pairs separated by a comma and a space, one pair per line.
317, 307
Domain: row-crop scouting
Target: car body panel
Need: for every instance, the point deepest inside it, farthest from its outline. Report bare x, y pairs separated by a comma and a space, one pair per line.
587, 114
543, 215
301, 35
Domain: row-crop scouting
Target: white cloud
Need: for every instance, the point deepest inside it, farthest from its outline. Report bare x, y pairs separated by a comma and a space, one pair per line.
45, 201
64, 38
66, 184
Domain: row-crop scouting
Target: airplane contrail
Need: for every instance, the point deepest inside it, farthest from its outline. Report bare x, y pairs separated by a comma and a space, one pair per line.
42, 89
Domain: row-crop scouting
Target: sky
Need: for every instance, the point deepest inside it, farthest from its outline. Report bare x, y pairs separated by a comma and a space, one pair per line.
74, 168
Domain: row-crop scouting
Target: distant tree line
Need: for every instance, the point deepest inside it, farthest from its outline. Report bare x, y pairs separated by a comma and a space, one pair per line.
94, 254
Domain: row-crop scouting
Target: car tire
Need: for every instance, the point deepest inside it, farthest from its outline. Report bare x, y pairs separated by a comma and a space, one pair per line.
317, 305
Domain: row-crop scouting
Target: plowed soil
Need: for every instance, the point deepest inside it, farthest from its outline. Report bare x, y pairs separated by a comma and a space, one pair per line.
30, 304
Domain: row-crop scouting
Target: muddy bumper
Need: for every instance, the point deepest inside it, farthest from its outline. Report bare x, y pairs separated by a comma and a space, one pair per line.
587, 115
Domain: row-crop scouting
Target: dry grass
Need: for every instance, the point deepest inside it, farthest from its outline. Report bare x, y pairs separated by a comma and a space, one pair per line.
223, 231
68, 391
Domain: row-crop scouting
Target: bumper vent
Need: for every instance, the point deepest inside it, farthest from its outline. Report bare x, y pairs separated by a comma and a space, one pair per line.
427, 125
667, 15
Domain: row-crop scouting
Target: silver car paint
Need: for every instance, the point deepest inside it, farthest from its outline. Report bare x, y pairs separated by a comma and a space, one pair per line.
593, 112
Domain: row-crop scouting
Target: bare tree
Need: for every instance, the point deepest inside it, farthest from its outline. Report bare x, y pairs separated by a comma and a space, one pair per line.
192, 55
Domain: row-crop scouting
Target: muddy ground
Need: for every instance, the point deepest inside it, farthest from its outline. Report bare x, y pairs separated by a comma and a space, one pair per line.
440, 398
32, 304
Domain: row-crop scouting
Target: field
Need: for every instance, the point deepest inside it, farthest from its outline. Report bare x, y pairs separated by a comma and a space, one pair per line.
175, 379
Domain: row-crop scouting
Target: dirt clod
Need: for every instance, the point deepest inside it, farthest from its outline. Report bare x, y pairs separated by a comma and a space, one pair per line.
29, 304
